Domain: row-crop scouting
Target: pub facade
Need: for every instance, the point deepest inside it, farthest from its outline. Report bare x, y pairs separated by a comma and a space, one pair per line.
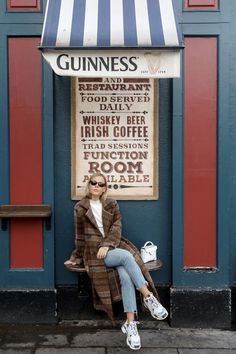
148, 98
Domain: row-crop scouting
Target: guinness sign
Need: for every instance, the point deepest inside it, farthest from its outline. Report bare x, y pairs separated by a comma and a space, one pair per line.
100, 64
115, 63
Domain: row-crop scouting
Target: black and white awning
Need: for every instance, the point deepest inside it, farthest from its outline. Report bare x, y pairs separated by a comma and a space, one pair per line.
113, 38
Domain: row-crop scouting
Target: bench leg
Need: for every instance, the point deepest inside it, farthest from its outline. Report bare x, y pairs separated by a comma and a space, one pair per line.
83, 284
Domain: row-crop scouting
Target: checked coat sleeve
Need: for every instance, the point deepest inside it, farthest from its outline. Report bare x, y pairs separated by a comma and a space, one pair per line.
77, 254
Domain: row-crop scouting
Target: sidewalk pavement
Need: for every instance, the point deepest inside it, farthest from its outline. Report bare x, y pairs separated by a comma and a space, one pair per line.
94, 337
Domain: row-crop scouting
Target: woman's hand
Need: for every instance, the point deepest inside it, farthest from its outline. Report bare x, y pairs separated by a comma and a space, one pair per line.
69, 263
102, 252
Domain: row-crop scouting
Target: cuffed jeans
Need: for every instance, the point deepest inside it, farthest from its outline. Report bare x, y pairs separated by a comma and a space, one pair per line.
130, 276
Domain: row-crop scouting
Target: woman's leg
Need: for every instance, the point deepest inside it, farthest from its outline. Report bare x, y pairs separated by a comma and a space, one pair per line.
119, 257
128, 293
130, 307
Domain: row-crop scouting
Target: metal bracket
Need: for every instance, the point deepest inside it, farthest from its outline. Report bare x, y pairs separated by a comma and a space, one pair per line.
4, 224
48, 223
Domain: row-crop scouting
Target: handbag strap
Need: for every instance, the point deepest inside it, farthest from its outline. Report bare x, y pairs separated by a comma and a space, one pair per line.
148, 242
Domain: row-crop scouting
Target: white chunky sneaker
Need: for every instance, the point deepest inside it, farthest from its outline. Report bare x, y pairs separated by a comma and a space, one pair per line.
156, 309
133, 339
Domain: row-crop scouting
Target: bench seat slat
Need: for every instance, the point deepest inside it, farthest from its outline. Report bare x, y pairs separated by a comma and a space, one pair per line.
151, 266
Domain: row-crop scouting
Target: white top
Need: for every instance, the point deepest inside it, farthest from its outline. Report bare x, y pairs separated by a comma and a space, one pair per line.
96, 207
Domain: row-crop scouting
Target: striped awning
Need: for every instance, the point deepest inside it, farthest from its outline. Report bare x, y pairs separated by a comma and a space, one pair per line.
77, 27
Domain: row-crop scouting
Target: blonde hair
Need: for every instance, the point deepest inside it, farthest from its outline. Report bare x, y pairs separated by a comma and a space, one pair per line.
87, 192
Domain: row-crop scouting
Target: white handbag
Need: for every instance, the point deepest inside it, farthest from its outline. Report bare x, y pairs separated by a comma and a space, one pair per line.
149, 252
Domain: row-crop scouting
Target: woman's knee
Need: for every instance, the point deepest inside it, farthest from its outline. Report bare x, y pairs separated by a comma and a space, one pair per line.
118, 257
128, 257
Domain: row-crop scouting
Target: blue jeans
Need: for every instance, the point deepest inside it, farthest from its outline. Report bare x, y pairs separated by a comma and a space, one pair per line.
130, 276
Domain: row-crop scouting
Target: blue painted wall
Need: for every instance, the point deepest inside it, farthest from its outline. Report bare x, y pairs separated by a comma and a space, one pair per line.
222, 25
142, 220
232, 145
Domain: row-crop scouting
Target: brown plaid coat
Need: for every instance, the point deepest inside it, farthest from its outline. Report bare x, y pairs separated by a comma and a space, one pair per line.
88, 239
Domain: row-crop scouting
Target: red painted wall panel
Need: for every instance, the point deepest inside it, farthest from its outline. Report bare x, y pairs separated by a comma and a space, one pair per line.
200, 134
201, 4
25, 125
23, 5
26, 243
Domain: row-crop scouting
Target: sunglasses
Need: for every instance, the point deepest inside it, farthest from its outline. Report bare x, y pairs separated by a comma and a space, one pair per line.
100, 184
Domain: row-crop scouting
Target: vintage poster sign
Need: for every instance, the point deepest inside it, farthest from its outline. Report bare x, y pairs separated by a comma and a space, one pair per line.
114, 131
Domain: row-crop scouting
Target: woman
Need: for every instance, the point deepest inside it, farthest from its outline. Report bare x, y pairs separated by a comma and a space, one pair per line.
113, 263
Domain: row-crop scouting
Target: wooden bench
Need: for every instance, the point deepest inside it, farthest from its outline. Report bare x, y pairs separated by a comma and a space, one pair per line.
151, 266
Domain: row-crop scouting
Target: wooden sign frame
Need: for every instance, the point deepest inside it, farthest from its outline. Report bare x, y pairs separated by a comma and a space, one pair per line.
114, 130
